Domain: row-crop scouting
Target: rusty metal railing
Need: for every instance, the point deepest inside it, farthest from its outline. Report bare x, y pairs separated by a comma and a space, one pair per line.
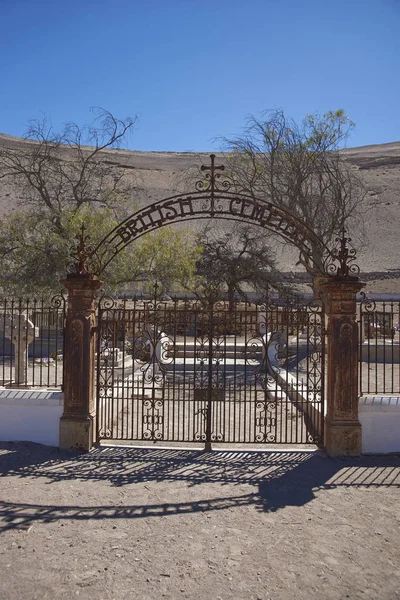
379, 347
32, 342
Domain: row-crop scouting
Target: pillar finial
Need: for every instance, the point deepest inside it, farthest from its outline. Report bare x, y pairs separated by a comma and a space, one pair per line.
82, 252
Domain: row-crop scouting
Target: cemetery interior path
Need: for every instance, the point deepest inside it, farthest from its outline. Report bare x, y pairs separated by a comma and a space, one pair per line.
171, 523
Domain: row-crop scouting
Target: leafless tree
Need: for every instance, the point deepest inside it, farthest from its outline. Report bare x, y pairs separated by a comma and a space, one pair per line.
235, 262
65, 171
300, 168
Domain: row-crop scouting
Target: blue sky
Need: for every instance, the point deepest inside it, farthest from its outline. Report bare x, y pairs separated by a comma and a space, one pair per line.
193, 70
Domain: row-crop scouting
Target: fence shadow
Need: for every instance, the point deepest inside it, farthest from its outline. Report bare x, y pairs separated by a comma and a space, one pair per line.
279, 478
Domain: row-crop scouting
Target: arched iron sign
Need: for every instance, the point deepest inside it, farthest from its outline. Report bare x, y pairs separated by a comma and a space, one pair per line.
213, 198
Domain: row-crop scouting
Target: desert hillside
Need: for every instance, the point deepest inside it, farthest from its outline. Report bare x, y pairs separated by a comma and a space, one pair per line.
160, 174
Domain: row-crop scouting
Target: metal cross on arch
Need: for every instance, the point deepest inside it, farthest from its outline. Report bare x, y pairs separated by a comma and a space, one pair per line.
212, 176
212, 181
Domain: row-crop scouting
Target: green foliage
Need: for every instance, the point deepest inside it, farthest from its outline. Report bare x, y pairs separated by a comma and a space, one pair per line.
35, 251
300, 168
66, 181
166, 257
235, 262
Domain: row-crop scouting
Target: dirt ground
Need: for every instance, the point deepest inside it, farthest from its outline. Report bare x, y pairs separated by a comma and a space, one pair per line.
136, 523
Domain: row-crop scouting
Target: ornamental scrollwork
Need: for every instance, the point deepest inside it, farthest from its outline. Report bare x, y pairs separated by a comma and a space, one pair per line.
367, 304
213, 181
341, 260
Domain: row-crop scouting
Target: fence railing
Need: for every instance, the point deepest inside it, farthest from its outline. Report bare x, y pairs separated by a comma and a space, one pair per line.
32, 342
379, 359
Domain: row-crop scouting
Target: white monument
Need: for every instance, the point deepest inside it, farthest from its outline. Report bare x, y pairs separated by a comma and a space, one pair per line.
21, 331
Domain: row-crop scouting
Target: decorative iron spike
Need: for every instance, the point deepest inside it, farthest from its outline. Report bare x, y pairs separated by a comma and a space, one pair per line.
156, 287
343, 255
340, 261
82, 252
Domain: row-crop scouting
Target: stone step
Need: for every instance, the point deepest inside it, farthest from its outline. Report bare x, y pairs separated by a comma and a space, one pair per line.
229, 350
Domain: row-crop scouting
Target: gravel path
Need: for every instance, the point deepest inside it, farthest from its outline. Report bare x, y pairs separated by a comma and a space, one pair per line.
169, 523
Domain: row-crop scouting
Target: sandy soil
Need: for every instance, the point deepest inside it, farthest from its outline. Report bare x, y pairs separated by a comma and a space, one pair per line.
157, 523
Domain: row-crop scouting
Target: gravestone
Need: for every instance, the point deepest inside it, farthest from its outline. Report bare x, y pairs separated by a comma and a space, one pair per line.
21, 332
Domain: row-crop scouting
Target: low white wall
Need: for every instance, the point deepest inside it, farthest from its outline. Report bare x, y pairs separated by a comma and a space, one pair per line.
380, 421
34, 415
30, 416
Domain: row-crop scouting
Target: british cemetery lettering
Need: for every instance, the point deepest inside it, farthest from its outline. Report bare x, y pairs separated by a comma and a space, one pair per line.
183, 208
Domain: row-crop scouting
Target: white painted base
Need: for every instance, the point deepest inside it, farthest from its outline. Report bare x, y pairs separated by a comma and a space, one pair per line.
34, 416
380, 421
30, 416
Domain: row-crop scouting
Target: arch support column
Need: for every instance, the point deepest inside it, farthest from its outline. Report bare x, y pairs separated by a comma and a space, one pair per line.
77, 421
342, 427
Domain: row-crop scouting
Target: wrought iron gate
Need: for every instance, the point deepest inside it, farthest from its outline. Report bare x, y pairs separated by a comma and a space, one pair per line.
189, 371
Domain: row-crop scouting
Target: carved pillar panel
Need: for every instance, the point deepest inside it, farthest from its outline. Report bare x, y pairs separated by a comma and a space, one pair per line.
76, 424
342, 427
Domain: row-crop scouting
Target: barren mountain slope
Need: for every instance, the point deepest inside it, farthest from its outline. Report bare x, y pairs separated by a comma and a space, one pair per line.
161, 174
378, 248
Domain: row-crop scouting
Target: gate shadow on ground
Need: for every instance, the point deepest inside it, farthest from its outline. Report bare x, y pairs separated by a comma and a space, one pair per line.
279, 479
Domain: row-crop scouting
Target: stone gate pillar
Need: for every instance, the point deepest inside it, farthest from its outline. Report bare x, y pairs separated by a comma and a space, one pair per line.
77, 421
342, 427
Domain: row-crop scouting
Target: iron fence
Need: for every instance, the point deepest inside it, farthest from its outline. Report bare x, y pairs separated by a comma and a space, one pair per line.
32, 342
379, 356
